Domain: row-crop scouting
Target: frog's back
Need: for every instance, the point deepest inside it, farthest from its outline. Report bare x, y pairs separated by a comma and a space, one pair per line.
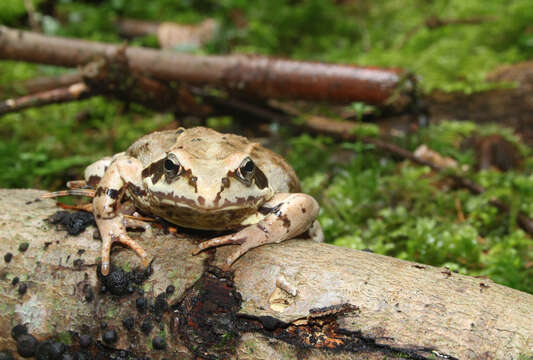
208, 144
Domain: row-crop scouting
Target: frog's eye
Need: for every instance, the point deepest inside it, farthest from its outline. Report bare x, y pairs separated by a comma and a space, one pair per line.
246, 171
172, 166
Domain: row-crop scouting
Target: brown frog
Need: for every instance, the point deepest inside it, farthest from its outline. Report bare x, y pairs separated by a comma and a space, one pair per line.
201, 179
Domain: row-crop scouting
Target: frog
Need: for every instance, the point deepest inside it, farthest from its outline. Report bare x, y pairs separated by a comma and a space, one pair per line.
198, 178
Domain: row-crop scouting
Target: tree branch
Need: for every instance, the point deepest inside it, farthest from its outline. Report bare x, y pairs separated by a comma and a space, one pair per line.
253, 75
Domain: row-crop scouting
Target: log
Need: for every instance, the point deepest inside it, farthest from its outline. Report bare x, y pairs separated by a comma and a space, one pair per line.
257, 76
297, 299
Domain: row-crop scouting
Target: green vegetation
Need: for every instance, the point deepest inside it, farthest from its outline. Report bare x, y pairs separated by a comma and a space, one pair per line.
405, 210
368, 199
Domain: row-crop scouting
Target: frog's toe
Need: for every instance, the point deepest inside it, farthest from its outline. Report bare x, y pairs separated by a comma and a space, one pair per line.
135, 246
106, 254
218, 241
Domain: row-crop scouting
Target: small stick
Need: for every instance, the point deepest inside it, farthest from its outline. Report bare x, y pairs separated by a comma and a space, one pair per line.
73, 92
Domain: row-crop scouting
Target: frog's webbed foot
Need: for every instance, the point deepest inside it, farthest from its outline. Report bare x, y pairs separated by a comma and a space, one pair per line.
113, 230
287, 215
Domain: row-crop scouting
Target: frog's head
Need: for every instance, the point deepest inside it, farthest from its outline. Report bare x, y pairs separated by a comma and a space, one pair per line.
208, 171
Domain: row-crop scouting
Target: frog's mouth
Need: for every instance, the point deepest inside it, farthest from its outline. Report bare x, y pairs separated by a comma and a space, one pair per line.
204, 206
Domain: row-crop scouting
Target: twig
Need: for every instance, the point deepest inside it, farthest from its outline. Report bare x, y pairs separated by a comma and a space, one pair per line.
256, 76
45, 83
73, 92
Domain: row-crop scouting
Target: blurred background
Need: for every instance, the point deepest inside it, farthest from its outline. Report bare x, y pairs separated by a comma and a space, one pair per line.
370, 200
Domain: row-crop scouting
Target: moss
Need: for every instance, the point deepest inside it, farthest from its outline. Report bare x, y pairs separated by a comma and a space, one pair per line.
65, 338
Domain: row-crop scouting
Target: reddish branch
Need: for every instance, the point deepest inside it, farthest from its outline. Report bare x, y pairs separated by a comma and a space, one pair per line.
253, 75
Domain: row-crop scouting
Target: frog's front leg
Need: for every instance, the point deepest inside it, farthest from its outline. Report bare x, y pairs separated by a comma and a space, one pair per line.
286, 216
122, 171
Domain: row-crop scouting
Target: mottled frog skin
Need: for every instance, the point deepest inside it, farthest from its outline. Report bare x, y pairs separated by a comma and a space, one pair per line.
201, 179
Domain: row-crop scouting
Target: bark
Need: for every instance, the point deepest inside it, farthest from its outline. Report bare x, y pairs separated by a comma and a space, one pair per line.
290, 300
253, 75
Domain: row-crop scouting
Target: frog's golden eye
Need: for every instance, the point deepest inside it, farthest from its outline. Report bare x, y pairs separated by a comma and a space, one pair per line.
172, 166
246, 171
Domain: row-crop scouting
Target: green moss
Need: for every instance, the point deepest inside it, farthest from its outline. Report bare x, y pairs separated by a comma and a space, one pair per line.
65, 338
401, 210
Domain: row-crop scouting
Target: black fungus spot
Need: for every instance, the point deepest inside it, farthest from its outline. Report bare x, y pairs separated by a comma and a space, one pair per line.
27, 345
22, 288
81, 252
120, 282
110, 337
18, 330
23, 247
129, 323
170, 289
46, 245
15, 281
141, 303
159, 343
7, 257
6, 355
85, 340
44, 351
73, 222
146, 327
57, 349
117, 282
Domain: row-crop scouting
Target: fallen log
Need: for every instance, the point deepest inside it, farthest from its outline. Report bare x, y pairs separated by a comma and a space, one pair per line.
290, 300
257, 76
